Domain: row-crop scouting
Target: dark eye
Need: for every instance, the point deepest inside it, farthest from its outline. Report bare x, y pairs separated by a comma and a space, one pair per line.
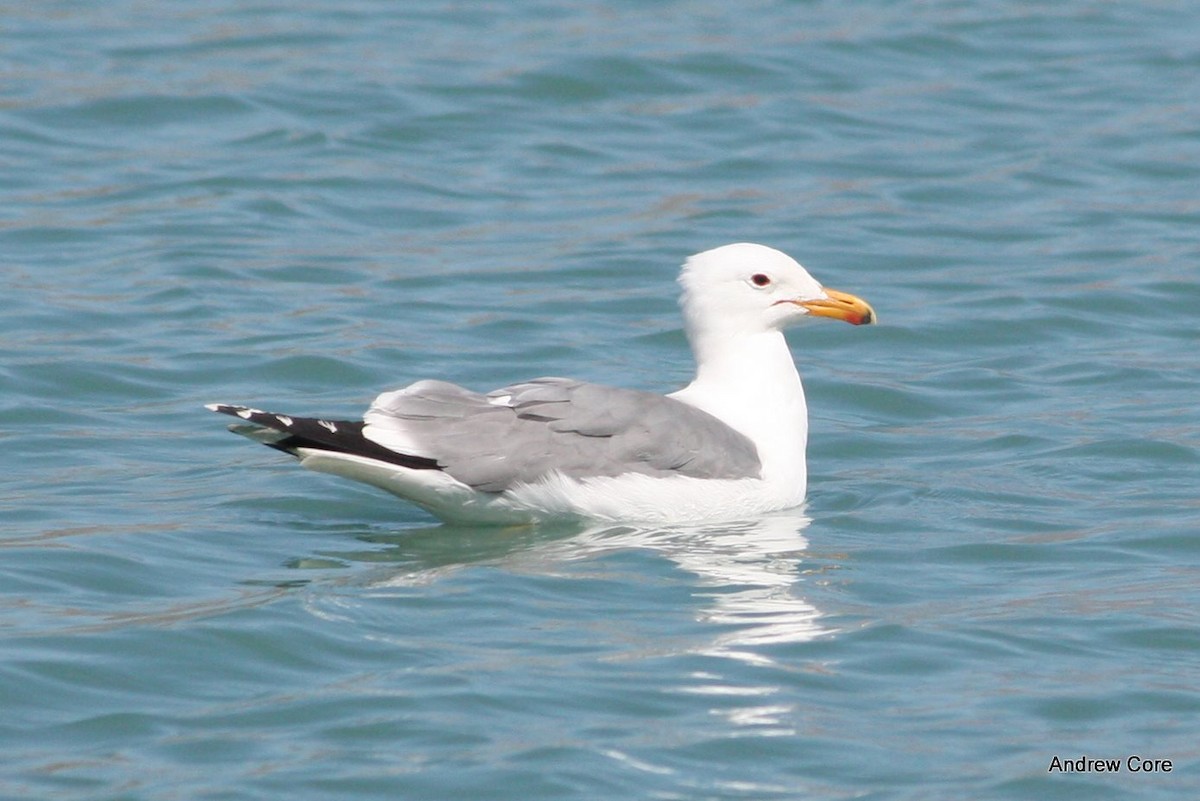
760, 279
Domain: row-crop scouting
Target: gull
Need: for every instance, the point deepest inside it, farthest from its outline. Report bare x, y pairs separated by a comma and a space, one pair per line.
728, 446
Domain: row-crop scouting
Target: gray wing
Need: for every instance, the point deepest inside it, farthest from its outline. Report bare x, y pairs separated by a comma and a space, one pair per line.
523, 432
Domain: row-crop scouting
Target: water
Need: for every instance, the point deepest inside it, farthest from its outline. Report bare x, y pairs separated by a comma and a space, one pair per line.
300, 204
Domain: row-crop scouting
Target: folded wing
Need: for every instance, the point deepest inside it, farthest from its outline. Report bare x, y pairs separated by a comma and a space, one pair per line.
523, 432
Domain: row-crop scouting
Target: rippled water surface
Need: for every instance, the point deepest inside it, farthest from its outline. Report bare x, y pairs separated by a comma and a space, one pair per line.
300, 204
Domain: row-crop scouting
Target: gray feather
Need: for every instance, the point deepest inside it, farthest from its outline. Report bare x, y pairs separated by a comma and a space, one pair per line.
523, 432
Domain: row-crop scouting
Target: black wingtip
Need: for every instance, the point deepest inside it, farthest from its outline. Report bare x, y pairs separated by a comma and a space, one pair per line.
335, 436
232, 410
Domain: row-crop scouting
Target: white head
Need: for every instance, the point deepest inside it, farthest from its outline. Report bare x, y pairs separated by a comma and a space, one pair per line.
750, 289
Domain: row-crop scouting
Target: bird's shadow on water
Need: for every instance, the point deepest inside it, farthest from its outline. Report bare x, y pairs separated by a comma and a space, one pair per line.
438, 547
749, 574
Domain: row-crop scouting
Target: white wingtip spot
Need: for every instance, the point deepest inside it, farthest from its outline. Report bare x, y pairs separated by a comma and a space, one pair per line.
326, 424
284, 419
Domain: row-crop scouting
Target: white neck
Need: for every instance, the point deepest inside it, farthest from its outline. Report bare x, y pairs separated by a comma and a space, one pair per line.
749, 381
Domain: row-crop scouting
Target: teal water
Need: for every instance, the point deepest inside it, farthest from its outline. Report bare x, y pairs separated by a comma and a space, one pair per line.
298, 205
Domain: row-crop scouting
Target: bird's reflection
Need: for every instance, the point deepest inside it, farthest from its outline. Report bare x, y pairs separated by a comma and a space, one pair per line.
749, 576
749, 572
